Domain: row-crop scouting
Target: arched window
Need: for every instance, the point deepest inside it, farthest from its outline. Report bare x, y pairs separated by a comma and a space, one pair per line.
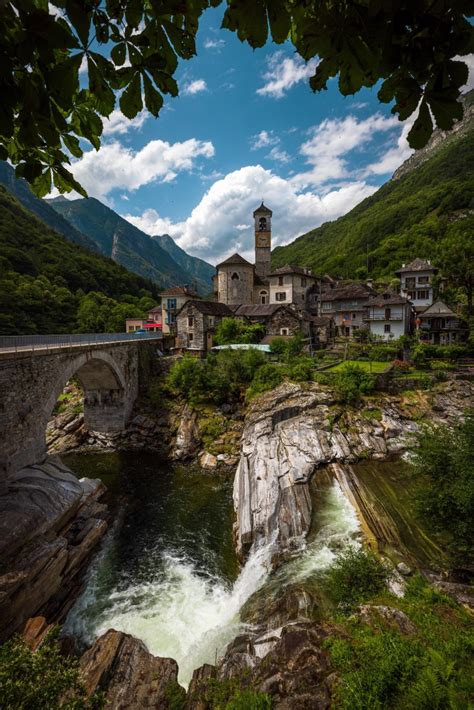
262, 224
263, 297
235, 276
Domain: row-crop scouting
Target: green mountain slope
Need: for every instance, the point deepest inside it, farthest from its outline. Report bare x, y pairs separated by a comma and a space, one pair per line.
198, 268
20, 189
126, 244
407, 218
46, 281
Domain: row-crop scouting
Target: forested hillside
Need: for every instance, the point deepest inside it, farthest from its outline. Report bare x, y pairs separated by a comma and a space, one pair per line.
50, 285
128, 245
422, 214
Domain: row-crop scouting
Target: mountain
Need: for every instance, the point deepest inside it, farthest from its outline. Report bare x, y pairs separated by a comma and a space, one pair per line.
49, 284
20, 189
129, 246
200, 269
407, 217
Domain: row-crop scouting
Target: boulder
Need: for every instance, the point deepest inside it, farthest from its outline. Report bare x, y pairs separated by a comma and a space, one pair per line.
394, 618
187, 436
130, 677
207, 460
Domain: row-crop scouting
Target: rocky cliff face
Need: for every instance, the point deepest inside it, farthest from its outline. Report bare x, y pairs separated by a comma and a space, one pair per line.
293, 430
50, 523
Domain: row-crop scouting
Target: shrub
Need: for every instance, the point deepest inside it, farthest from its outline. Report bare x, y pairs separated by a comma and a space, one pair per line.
383, 353
234, 330
266, 378
443, 460
301, 370
43, 679
352, 382
188, 378
355, 576
287, 348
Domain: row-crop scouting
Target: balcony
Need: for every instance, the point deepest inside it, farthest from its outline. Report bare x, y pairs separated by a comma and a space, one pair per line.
381, 317
436, 326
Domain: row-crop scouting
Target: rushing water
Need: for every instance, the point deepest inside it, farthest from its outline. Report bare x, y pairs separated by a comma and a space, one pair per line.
167, 571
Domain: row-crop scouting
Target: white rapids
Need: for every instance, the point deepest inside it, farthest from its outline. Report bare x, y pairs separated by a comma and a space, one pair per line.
191, 616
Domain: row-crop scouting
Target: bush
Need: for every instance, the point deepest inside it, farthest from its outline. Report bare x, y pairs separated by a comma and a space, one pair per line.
301, 370
383, 353
266, 378
234, 330
287, 348
352, 382
188, 377
356, 576
443, 460
43, 679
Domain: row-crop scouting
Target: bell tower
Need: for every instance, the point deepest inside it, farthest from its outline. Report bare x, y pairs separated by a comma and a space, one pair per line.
263, 241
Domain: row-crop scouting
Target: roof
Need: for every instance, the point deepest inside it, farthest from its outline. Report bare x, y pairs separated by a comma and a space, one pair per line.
389, 298
263, 209
320, 321
439, 308
290, 269
156, 309
234, 259
417, 265
208, 308
180, 291
258, 281
342, 293
260, 310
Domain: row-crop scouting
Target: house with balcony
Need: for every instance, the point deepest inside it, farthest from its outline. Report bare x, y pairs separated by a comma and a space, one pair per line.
172, 300
388, 316
416, 283
347, 305
439, 325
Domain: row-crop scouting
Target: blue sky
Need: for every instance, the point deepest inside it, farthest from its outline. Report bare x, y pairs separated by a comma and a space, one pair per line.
245, 126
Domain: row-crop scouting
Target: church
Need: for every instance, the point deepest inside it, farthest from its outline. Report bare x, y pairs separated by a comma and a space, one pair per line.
238, 282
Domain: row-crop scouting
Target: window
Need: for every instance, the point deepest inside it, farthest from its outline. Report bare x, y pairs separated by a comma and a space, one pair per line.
423, 279
386, 328
235, 276
346, 316
410, 281
190, 322
191, 337
262, 224
388, 313
280, 280
283, 331
303, 281
171, 304
211, 321
280, 296
263, 297
171, 318
354, 316
422, 295
412, 295
347, 331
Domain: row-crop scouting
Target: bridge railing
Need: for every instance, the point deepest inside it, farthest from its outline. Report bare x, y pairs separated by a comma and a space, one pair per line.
18, 343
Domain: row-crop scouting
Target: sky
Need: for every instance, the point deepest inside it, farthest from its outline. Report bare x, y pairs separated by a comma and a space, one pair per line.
246, 127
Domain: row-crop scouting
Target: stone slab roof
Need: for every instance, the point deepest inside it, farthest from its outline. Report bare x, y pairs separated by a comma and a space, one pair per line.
438, 309
417, 265
387, 299
235, 259
263, 209
260, 310
180, 291
343, 293
290, 269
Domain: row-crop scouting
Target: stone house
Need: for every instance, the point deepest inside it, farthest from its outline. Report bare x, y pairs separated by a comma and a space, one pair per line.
416, 283
388, 316
290, 284
279, 320
235, 281
439, 325
172, 300
196, 322
323, 330
348, 306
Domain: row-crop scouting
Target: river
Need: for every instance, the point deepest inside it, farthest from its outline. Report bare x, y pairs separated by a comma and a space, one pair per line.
167, 571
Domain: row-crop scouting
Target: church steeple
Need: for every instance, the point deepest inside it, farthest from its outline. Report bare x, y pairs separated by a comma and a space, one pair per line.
263, 240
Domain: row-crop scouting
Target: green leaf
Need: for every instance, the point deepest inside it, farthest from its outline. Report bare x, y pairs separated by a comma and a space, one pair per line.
183, 42
445, 107
65, 182
153, 99
118, 53
326, 69
80, 18
422, 128
134, 12
249, 19
164, 82
131, 99
72, 144
41, 186
280, 20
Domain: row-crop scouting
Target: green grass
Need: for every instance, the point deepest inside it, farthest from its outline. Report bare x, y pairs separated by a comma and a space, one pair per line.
369, 366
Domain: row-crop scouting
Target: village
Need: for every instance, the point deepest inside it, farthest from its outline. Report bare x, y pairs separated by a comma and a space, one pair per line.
325, 311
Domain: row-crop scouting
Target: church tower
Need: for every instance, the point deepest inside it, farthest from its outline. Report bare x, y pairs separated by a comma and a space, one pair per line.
263, 241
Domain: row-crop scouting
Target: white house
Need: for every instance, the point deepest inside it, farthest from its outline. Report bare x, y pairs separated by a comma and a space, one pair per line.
289, 284
439, 325
416, 283
388, 315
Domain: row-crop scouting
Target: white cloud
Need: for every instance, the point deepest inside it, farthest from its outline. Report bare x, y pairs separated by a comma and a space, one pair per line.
116, 166
326, 150
394, 157
219, 224
216, 44
283, 73
263, 140
195, 87
279, 155
117, 123
469, 60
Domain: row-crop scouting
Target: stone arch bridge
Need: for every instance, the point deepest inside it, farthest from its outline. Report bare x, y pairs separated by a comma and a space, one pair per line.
33, 376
